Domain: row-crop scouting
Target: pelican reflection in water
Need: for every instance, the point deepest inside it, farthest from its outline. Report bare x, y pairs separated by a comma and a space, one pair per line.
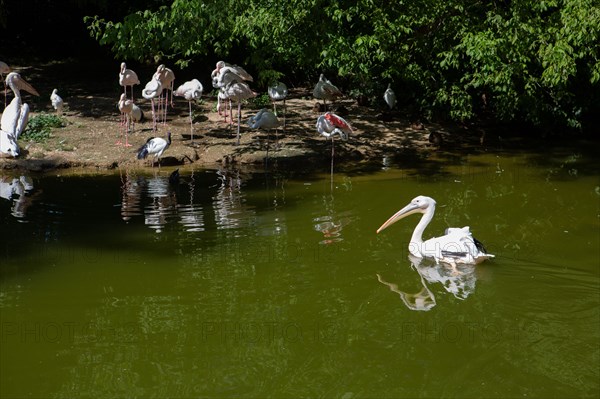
460, 285
18, 190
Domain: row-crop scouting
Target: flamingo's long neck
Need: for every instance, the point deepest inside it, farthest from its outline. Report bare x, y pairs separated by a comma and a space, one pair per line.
417, 235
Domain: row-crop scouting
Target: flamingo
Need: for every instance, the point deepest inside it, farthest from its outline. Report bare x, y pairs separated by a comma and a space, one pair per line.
191, 91
223, 75
127, 77
278, 91
15, 115
265, 119
153, 88
222, 103
167, 80
326, 90
154, 146
457, 245
57, 102
238, 91
330, 124
4, 69
126, 108
389, 96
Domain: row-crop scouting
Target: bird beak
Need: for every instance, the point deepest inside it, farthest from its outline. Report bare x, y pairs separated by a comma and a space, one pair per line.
407, 210
23, 85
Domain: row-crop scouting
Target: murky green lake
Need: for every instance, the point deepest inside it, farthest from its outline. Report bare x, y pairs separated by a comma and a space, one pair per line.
237, 283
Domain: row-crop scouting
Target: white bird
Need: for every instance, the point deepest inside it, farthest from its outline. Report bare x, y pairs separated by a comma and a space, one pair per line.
265, 119
325, 90
125, 108
223, 103
225, 73
57, 102
15, 115
191, 91
238, 91
389, 96
167, 79
137, 114
4, 69
152, 90
277, 92
330, 124
154, 146
456, 246
127, 78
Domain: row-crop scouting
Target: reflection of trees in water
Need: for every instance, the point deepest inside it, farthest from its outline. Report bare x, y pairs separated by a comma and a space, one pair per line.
460, 282
19, 191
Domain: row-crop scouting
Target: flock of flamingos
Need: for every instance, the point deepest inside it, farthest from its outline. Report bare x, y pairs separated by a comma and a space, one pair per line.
230, 80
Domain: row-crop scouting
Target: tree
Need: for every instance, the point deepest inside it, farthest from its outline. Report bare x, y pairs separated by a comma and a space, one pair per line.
528, 60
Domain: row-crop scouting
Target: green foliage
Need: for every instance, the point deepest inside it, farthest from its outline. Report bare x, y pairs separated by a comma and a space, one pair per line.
528, 60
260, 101
40, 126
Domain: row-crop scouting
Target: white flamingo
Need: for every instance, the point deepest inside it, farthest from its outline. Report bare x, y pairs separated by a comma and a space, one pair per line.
4, 69
127, 77
325, 90
57, 102
278, 92
137, 114
125, 108
154, 146
267, 120
152, 90
330, 124
15, 115
456, 246
167, 79
191, 91
238, 91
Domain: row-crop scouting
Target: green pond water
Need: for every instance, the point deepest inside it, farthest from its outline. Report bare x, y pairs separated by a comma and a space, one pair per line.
239, 283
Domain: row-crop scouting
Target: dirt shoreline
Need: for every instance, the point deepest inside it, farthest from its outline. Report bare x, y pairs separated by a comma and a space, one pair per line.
87, 143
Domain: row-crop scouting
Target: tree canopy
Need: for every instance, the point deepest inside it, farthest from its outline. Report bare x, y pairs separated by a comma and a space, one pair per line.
535, 61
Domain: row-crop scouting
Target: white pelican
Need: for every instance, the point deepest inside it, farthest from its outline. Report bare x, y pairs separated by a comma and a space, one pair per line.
277, 92
389, 96
125, 108
265, 119
325, 90
191, 91
151, 91
154, 146
456, 246
238, 91
127, 77
15, 115
57, 102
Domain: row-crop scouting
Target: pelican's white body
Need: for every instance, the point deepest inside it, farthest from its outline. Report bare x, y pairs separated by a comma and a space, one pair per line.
389, 97
15, 115
57, 102
457, 246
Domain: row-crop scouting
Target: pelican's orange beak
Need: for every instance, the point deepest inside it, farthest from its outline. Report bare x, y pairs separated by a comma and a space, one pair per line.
407, 210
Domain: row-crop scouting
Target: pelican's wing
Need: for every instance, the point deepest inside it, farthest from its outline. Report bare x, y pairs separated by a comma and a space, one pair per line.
22, 121
10, 117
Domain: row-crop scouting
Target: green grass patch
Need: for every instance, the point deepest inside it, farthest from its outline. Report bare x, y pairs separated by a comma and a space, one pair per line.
39, 128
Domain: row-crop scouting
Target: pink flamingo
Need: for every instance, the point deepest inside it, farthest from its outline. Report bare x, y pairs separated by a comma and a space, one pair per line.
125, 108
127, 78
191, 91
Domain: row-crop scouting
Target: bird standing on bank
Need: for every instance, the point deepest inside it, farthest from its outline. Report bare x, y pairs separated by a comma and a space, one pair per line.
167, 80
389, 96
238, 91
15, 115
127, 77
125, 108
4, 69
266, 120
57, 102
278, 92
330, 124
191, 91
325, 90
152, 90
154, 146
